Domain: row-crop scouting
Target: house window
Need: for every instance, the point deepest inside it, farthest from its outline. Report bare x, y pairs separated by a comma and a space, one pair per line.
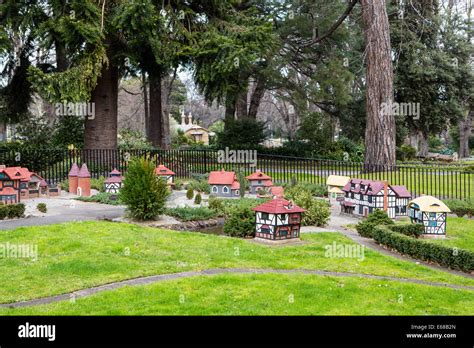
404, 210
369, 198
237, 192
225, 189
215, 189
352, 195
283, 232
432, 223
260, 181
265, 229
8, 183
283, 216
397, 210
265, 216
432, 215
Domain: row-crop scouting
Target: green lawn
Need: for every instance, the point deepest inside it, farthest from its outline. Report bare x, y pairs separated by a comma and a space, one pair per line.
459, 233
267, 294
79, 255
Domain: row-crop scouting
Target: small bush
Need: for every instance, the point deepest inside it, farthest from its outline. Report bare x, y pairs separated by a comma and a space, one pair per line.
178, 184
64, 185
460, 208
315, 190
42, 208
191, 214
98, 184
200, 185
317, 211
103, 198
216, 204
378, 217
198, 199
190, 193
143, 192
16, 210
240, 222
3, 211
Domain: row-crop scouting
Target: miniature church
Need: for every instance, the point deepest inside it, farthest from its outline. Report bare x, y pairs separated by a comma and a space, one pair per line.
278, 219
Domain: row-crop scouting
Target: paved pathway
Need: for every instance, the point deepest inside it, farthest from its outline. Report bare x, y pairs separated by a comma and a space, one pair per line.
215, 271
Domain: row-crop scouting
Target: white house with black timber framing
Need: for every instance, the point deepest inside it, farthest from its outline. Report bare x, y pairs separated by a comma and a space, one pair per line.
431, 213
278, 219
362, 197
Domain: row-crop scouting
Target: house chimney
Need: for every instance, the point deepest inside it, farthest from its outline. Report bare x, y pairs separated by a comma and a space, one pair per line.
385, 196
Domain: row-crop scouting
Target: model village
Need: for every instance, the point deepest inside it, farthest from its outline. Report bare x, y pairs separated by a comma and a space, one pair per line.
275, 219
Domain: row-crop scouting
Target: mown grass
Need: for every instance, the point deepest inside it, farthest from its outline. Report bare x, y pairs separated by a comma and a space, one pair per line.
266, 294
79, 255
459, 234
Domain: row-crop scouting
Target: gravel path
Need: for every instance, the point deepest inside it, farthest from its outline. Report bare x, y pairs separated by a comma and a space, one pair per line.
216, 271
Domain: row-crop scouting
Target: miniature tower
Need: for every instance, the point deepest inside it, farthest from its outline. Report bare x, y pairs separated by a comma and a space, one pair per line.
73, 178
114, 182
84, 182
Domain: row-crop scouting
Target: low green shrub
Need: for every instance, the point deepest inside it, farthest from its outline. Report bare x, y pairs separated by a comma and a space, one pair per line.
198, 199
190, 193
42, 208
98, 184
315, 189
240, 221
191, 214
11, 211
460, 207
412, 230
317, 211
178, 184
378, 217
200, 185
454, 258
64, 185
103, 198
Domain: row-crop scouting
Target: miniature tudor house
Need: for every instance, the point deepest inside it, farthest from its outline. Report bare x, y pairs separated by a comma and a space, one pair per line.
430, 212
362, 197
335, 184
10, 182
259, 181
224, 184
113, 183
166, 174
278, 219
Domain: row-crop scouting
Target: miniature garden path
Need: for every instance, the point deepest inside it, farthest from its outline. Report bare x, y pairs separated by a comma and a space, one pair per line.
216, 271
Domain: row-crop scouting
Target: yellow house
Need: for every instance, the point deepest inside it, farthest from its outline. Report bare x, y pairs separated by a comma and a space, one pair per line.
334, 184
193, 130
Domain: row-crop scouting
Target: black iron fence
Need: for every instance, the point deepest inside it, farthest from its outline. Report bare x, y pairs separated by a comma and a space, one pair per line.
442, 181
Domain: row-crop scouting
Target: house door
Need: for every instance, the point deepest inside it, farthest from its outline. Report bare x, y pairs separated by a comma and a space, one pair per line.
366, 211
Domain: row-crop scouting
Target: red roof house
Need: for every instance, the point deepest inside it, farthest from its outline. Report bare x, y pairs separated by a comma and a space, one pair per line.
278, 219
259, 181
165, 173
10, 183
224, 184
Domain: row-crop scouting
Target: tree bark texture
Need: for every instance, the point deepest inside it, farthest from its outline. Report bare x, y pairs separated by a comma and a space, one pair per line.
465, 127
380, 130
256, 98
156, 111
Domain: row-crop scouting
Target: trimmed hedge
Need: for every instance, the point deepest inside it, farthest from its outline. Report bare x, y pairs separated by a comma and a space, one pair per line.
12, 211
454, 258
378, 217
412, 230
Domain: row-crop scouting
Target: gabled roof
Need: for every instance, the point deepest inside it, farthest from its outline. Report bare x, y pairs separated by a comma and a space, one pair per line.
430, 204
113, 180
221, 178
401, 191
277, 191
278, 206
258, 175
162, 170
235, 185
16, 173
337, 180
115, 172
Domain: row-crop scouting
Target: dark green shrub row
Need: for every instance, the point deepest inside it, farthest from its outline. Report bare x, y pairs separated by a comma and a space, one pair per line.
191, 214
461, 208
12, 211
412, 230
240, 221
454, 258
103, 198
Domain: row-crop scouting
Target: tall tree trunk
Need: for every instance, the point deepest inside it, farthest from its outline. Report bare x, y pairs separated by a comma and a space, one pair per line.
165, 141
257, 97
61, 58
241, 105
465, 127
380, 130
424, 146
156, 111
146, 105
230, 106
101, 131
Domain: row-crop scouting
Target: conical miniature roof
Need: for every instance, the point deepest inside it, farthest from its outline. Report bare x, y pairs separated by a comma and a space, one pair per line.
84, 172
74, 170
115, 172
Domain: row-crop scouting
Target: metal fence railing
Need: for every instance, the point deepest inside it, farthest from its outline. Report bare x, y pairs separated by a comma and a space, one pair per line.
439, 180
